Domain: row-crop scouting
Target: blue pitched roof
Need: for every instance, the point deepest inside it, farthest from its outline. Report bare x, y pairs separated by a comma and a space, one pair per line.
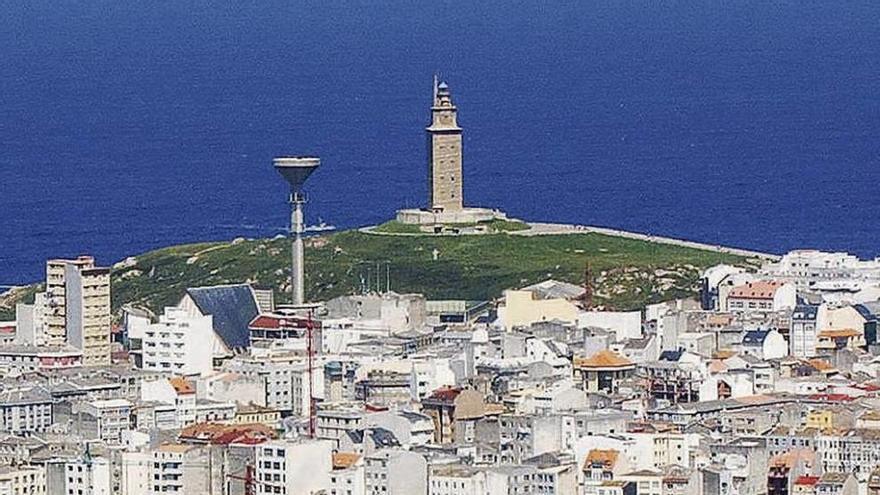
671, 355
356, 436
805, 312
383, 438
870, 311
755, 337
232, 307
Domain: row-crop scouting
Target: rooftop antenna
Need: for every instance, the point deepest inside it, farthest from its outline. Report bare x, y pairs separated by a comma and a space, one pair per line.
295, 170
436, 83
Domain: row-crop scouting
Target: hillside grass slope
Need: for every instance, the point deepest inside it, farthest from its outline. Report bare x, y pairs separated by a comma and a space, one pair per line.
627, 273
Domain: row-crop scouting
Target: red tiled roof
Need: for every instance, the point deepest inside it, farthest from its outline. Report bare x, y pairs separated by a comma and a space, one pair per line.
606, 458
759, 289
343, 460
121, 356
832, 397
274, 322
182, 386
790, 458
220, 434
806, 480
602, 359
820, 364
445, 394
839, 333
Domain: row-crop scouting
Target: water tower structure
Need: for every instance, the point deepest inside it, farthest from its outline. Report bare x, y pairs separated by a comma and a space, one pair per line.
295, 170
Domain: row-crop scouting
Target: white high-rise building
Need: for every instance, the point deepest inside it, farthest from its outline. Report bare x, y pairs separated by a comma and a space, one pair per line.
294, 467
30, 321
84, 475
22, 479
395, 472
136, 473
180, 344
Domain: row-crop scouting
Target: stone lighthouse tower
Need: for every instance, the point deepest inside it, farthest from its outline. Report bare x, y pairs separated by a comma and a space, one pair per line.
445, 209
444, 154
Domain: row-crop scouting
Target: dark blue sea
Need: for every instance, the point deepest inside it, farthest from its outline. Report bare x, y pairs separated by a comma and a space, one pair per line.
126, 126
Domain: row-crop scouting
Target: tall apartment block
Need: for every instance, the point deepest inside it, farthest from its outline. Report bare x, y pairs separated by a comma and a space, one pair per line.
78, 307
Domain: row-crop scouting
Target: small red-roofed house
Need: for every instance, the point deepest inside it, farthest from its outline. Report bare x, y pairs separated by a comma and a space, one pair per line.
602, 466
454, 412
602, 371
765, 296
805, 485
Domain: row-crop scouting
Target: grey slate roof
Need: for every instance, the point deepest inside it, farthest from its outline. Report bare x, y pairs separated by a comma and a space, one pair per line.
413, 417
637, 343
233, 307
35, 395
555, 289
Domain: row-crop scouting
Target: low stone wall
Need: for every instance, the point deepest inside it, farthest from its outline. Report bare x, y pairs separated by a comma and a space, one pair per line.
464, 216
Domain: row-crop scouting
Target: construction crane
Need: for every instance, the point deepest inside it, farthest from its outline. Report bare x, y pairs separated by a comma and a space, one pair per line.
249, 479
310, 349
588, 287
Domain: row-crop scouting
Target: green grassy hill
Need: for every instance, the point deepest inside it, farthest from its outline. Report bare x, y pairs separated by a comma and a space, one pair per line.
627, 273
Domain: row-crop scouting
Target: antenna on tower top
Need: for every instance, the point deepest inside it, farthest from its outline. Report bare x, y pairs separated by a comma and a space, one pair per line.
436, 83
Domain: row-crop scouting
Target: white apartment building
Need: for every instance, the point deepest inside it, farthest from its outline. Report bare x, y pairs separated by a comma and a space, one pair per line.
22, 480
25, 410
332, 423
78, 307
395, 472
177, 394
803, 336
135, 477
29, 358
113, 417
456, 479
30, 321
179, 344
347, 477
648, 482
764, 296
179, 468
854, 451
85, 475
286, 375
293, 467
806, 268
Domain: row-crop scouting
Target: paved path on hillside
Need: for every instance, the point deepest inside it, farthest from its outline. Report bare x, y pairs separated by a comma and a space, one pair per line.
561, 229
